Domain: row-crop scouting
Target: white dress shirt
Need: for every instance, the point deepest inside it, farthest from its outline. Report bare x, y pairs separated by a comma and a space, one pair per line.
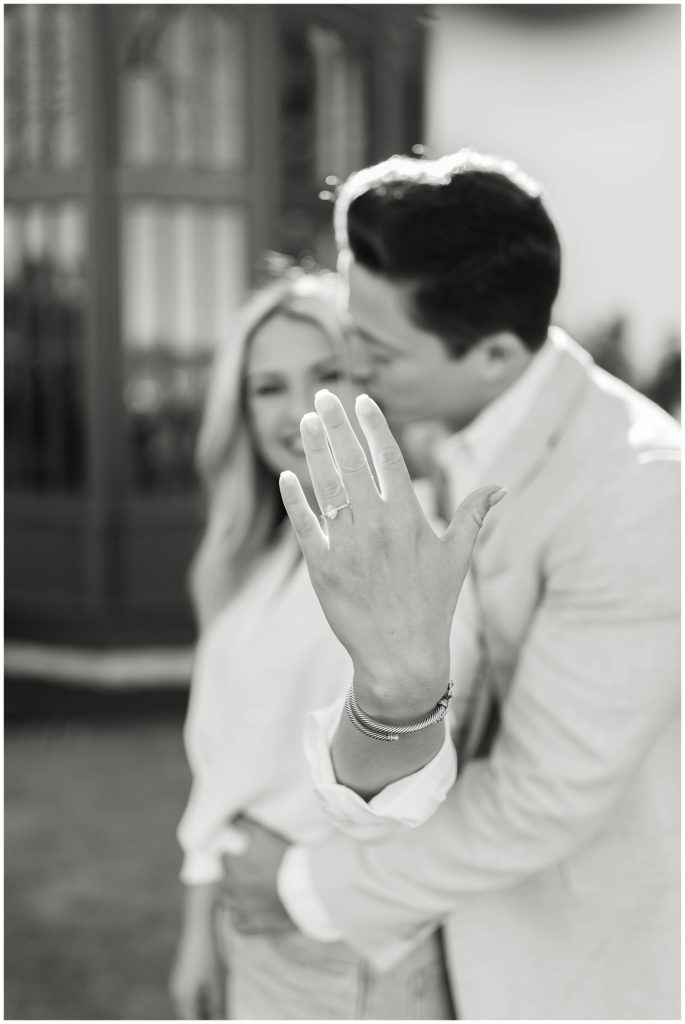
465, 458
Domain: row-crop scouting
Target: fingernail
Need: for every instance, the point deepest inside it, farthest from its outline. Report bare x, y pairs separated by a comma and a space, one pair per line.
287, 479
497, 496
324, 400
365, 404
310, 423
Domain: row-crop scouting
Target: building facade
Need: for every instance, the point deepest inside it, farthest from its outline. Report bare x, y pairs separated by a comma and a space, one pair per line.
154, 154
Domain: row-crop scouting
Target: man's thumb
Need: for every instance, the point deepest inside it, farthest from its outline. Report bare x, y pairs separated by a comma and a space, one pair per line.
462, 533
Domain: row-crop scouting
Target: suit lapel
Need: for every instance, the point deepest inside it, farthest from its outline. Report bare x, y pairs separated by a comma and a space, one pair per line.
547, 420
519, 460
542, 428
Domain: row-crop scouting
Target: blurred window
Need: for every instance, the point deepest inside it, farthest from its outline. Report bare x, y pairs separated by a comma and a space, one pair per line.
43, 124
340, 104
44, 337
183, 86
154, 153
45, 250
325, 99
183, 235
183, 267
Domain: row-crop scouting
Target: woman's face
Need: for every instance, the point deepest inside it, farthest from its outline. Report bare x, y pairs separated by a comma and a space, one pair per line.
289, 360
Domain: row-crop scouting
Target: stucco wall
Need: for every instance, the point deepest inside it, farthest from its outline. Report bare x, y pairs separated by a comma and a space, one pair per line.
589, 106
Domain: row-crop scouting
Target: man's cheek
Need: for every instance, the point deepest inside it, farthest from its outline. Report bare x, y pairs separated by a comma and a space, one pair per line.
393, 382
405, 391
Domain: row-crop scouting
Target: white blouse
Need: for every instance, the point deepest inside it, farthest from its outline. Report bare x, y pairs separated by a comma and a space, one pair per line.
264, 662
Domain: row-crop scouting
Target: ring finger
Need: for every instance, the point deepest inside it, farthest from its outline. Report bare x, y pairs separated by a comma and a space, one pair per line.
328, 486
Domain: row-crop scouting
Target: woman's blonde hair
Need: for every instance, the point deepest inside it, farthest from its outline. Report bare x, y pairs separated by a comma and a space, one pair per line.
243, 502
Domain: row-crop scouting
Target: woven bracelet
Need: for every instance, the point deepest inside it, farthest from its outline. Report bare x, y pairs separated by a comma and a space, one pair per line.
391, 733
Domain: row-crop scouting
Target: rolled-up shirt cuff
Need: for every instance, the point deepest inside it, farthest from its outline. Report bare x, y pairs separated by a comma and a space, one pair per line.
203, 866
406, 803
200, 869
299, 897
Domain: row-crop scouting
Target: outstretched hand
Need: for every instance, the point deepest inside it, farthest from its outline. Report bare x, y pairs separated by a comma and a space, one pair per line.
387, 583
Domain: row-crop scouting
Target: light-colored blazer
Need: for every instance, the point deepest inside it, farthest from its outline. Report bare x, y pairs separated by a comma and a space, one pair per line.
554, 862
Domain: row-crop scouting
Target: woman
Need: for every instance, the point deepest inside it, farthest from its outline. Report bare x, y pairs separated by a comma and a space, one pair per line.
266, 657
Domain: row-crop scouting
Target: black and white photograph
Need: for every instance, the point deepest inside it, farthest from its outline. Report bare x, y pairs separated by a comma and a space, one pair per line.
342, 511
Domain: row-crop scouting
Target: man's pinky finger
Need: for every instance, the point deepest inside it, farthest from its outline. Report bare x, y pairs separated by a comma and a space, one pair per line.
305, 524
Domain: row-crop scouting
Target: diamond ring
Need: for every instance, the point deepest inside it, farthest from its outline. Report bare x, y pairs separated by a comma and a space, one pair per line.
331, 511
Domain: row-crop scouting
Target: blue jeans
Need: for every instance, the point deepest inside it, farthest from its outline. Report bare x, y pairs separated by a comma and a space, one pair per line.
291, 977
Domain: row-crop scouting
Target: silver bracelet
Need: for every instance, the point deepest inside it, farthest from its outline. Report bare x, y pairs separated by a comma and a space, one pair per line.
391, 733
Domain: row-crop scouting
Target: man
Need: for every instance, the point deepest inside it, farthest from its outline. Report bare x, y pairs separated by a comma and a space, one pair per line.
554, 859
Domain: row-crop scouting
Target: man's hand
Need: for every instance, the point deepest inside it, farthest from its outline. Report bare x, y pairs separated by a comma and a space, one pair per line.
387, 584
249, 889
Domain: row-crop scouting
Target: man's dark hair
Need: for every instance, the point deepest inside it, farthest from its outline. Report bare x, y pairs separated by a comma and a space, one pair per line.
469, 233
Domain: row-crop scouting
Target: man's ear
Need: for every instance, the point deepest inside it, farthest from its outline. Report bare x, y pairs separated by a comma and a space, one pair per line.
503, 355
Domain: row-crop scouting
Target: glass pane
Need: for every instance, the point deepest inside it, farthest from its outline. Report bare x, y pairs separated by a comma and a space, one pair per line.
66, 89
296, 139
42, 85
340, 120
184, 272
183, 86
324, 133
44, 338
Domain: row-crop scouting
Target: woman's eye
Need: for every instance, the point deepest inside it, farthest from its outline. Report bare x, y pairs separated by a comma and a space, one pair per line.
330, 376
265, 389
381, 358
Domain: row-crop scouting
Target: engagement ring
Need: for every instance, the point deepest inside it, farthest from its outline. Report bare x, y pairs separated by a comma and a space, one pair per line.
331, 511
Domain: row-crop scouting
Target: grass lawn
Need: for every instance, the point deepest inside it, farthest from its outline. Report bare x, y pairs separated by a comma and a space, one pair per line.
91, 865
